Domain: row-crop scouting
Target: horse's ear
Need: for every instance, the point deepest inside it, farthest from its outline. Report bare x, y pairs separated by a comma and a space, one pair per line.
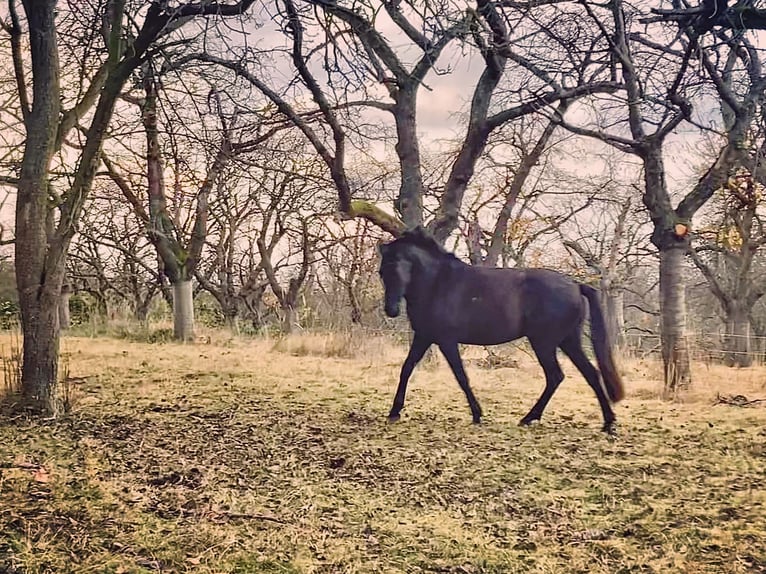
418, 233
421, 236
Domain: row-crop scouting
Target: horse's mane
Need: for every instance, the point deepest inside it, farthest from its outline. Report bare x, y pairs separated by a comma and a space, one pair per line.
423, 239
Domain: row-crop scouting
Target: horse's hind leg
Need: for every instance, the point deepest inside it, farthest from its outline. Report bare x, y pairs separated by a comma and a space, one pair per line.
418, 348
572, 347
546, 355
452, 354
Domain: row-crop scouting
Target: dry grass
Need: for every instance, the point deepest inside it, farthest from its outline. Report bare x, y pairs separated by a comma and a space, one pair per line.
238, 455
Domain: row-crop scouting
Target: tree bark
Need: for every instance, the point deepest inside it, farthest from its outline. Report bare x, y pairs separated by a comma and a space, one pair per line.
183, 310
737, 339
231, 319
63, 308
40, 249
288, 319
615, 316
40, 363
141, 309
675, 347
38, 280
409, 204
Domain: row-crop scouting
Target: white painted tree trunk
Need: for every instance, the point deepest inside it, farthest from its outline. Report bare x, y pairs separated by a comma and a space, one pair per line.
183, 311
675, 347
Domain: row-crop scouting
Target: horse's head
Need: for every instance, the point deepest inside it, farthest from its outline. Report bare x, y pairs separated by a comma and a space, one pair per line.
397, 261
396, 273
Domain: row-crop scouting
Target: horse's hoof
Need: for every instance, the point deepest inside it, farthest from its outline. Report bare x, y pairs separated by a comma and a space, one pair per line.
526, 421
392, 418
609, 429
477, 420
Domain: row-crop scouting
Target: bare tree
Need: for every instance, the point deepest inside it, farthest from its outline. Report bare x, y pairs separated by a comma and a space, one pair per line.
609, 246
224, 271
651, 118
42, 241
111, 258
366, 62
516, 177
262, 226
287, 214
734, 64
352, 263
176, 217
727, 256
521, 203
709, 14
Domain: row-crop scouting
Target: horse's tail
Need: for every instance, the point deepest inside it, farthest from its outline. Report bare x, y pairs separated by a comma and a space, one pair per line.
601, 346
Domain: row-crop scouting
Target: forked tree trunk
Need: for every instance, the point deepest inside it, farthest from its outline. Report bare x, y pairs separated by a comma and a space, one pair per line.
737, 340
39, 280
675, 347
183, 311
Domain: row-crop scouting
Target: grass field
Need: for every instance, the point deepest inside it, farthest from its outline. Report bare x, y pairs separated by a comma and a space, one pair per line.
237, 455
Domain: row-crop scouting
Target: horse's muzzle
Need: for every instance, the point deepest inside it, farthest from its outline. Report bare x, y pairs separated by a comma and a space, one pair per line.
392, 309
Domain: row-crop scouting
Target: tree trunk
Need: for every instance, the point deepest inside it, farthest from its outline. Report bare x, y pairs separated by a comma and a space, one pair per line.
288, 319
41, 351
675, 347
102, 307
356, 308
231, 318
183, 311
39, 281
63, 308
141, 311
615, 316
737, 339
409, 203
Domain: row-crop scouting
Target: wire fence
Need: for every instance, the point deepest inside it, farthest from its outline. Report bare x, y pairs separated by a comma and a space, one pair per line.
705, 347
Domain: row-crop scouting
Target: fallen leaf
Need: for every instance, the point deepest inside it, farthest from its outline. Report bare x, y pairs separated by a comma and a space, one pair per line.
41, 475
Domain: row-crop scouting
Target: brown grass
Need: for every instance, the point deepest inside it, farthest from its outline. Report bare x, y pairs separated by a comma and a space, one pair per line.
236, 455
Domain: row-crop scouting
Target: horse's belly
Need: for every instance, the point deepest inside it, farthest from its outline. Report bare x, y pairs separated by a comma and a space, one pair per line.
488, 338
472, 322
490, 331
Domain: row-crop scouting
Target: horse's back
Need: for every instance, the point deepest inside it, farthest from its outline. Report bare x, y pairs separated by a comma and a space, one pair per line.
529, 302
490, 306
553, 303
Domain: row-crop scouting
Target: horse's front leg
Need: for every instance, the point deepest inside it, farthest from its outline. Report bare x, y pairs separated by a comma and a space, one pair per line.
452, 354
418, 348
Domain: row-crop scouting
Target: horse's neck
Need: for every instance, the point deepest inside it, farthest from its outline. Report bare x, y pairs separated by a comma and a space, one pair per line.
425, 276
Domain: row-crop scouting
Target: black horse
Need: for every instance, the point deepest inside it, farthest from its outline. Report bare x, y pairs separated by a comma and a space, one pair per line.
450, 302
